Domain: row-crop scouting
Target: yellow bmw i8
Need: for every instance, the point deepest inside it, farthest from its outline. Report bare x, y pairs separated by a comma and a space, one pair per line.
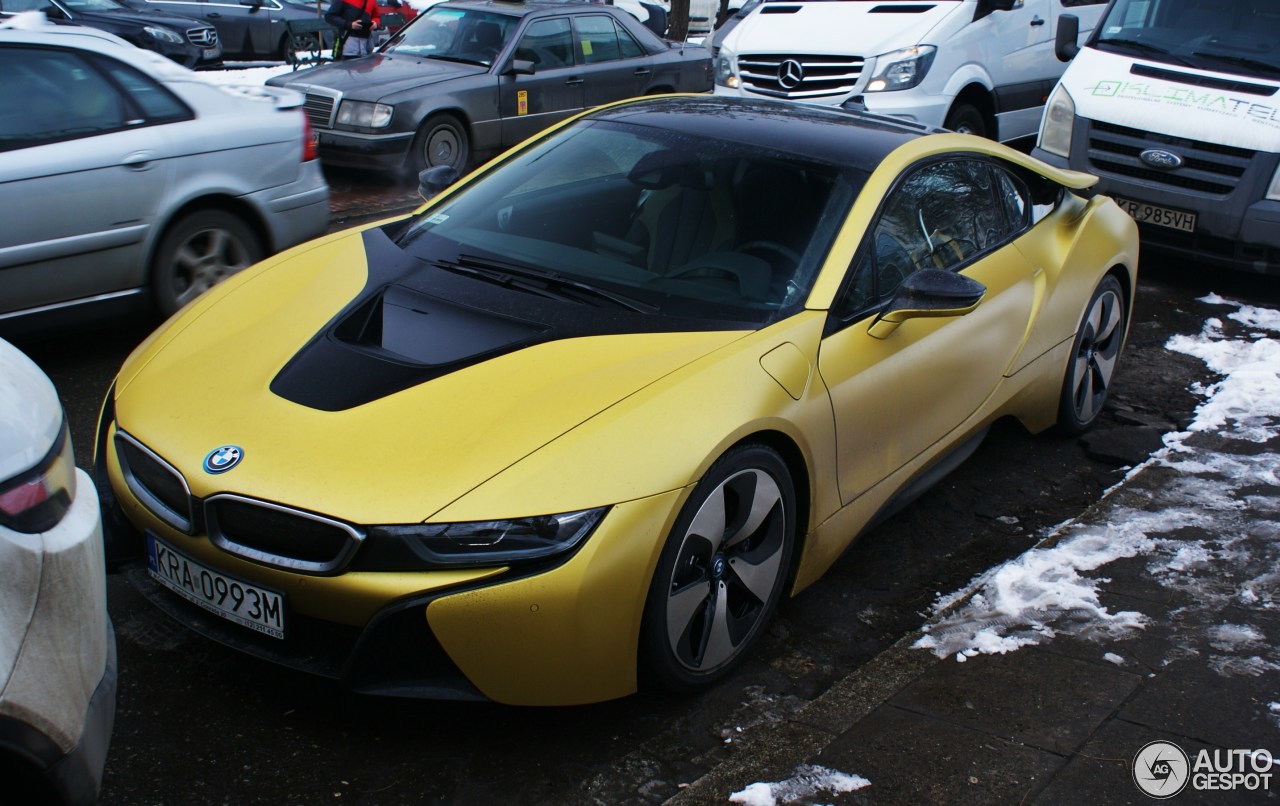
576, 425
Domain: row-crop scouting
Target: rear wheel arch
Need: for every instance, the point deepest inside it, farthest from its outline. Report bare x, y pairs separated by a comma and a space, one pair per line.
978, 98
243, 213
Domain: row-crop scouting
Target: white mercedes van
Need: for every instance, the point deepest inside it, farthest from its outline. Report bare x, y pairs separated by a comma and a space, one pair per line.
1175, 106
979, 66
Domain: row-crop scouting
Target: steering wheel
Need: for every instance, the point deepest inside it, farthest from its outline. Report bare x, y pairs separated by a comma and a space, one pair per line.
772, 247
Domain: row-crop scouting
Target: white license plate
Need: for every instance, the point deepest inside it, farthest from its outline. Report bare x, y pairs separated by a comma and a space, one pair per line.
211, 53
1159, 216
254, 607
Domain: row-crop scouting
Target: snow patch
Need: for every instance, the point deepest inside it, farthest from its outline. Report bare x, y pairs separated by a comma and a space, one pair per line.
1112, 657
808, 781
1234, 637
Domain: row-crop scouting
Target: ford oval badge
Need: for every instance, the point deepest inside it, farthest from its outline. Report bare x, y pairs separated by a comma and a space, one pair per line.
220, 460
1159, 158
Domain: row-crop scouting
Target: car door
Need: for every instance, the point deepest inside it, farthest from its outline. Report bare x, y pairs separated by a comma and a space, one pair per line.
614, 65
896, 396
529, 103
82, 173
249, 30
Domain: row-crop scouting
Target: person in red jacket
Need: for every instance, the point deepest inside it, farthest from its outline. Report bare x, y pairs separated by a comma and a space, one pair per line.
355, 21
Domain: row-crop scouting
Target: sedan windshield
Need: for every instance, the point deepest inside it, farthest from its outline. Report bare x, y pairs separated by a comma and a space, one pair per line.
682, 225
1241, 37
455, 34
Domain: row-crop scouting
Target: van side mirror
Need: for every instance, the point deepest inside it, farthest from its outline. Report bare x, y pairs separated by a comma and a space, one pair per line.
433, 180
1065, 44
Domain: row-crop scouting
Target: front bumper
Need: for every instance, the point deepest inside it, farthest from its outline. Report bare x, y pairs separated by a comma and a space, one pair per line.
557, 634
384, 152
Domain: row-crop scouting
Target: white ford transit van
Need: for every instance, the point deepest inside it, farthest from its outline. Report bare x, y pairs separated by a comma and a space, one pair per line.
1175, 105
979, 66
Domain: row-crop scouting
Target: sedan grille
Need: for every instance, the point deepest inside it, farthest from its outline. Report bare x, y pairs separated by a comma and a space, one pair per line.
281, 536
319, 108
1206, 167
800, 76
202, 37
155, 483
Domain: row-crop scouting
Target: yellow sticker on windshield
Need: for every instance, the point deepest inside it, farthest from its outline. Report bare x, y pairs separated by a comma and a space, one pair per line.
522, 102
586, 47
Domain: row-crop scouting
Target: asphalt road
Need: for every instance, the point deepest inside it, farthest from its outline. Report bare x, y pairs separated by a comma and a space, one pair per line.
198, 723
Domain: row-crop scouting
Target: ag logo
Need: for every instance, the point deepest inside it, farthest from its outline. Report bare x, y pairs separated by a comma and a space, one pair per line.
1161, 769
220, 460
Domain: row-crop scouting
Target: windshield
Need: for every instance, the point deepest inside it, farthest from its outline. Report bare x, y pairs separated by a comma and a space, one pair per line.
455, 34
94, 5
1233, 36
680, 225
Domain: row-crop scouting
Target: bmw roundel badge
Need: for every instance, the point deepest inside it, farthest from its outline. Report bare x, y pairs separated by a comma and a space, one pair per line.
220, 460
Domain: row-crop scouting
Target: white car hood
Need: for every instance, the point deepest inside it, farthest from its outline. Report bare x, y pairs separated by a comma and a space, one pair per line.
843, 27
30, 414
1104, 89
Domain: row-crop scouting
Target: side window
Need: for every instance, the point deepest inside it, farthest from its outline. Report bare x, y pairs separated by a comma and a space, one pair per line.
597, 38
1015, 200
54, 95
939, 217
547, 43
158, 105
630, 47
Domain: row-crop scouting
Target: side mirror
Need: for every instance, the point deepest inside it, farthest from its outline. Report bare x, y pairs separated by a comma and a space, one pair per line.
986, 7
254, 4
928, 293
1065, 44
433, 180
520, 67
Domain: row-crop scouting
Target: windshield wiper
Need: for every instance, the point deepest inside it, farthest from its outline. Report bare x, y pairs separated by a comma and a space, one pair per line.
537, 280
1256, 65
1144, 47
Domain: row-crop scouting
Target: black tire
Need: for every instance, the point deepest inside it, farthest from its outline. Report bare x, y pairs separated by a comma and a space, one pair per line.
966, 119
442, 140
197, 252
1094, 355
712, 594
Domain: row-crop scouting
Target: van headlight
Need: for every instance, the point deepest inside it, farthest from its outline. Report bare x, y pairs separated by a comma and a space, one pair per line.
901, 69
1273, 192
727, 71
1059, 119
366, 114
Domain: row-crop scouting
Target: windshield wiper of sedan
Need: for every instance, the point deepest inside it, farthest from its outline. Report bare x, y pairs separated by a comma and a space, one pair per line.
538, 281
1257, 65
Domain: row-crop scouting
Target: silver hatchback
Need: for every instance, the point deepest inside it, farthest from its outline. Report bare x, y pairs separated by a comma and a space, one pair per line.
129, 181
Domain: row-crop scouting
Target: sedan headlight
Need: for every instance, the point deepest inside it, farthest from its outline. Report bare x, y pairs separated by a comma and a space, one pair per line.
162, 35
901, 69
1273, 192
726, 73
35, 501
364, 113
418, 546
1059, 119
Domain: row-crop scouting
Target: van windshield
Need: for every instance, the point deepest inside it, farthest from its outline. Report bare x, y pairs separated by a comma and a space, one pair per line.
1232, 36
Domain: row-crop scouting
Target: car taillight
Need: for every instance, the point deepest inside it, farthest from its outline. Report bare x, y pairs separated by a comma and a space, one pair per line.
310, 142
35, 501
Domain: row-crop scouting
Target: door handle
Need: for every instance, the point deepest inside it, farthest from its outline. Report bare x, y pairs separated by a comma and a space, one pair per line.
643, 71
138, 161
573, 82
1036, 21
213, 15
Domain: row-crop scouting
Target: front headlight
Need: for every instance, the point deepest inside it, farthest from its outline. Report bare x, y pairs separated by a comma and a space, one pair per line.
1273, 192
35, 501
726, 73
363, 113
1059, 119
901, 69
419, 546
162, 35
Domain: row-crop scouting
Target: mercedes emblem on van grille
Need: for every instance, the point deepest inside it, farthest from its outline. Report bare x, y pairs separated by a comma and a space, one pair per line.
1159, 158
790, 74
